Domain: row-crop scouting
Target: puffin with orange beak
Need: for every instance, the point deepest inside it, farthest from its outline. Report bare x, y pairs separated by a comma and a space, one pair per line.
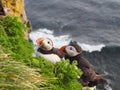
46, 50
90, 78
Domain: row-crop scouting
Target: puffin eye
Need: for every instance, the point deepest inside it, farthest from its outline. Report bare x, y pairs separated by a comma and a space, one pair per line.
40, 43
70, 48
48, 42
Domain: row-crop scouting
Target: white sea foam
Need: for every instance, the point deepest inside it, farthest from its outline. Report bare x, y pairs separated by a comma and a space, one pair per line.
109, 82
107, 87
91, 48
62, 40
57, 40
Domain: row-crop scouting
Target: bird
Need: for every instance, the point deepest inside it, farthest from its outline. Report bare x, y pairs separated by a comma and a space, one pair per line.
45, 49
90, 77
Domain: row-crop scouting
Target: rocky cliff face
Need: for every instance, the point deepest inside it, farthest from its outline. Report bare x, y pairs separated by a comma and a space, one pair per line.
15, 8
1, 9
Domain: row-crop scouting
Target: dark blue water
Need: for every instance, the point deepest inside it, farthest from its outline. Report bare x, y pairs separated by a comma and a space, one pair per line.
86, 21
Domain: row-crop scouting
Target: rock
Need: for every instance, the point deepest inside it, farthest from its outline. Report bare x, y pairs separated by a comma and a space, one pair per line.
15, 8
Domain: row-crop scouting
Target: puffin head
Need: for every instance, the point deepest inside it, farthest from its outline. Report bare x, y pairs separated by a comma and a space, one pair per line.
72, 49
45, 43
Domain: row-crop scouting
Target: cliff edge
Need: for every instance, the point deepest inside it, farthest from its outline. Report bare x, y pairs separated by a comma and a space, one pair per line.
15, 8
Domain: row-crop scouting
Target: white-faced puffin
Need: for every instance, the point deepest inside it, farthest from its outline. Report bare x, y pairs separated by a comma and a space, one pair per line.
45, 49
90, 78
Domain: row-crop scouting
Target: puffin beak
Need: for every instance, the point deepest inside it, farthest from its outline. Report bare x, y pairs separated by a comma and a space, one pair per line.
41, 43
62, 49
39, 40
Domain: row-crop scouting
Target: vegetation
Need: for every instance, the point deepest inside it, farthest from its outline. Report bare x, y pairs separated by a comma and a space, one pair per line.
19, 70
16, 76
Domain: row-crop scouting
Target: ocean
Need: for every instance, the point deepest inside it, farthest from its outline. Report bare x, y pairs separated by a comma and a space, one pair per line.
94, 24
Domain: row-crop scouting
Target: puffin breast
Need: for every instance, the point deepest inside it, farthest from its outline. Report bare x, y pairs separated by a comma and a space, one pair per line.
50, 57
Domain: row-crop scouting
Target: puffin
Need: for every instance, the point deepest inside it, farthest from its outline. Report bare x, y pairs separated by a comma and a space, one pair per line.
45, 49
90, 77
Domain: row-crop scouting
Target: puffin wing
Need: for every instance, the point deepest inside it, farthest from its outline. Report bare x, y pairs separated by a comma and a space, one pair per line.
57, 52
83, 63
87, 69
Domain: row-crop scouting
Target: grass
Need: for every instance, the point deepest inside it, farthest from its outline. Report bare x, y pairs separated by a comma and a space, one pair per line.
15, 75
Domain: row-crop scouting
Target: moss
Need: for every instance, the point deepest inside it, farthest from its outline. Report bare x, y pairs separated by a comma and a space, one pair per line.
12, 38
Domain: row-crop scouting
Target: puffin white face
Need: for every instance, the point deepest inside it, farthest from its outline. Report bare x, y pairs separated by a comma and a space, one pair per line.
46, 44
71, 51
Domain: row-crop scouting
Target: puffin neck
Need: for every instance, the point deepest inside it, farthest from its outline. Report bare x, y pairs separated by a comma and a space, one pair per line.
77, 56
73, 58
45, 51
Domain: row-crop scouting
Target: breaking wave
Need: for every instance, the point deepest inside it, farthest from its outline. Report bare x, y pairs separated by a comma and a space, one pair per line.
62, 40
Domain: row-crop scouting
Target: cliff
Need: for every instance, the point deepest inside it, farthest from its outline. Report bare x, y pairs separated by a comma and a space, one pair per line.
14, 8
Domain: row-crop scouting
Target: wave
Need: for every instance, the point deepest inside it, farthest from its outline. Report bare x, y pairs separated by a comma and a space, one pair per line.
57, 40
62, 40
91, 48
